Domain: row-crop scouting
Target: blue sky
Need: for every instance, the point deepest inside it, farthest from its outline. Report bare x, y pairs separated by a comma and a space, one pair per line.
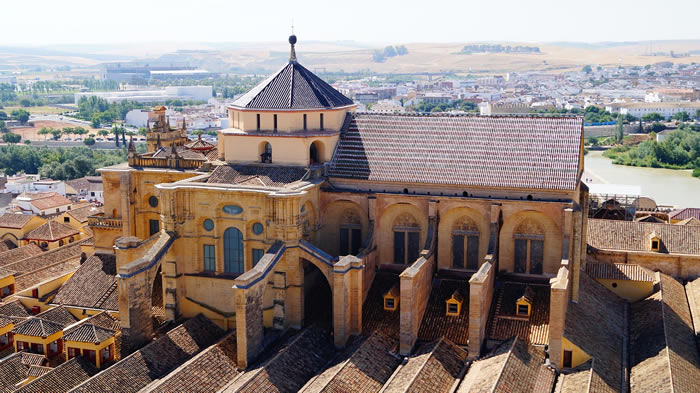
46, 22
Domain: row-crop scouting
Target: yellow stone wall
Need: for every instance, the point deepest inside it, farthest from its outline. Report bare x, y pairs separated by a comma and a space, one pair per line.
38, 340
335, 208
628, 289
578, 357
677, 265
90, 346
286, 150
548, 216
15, 235
246, 120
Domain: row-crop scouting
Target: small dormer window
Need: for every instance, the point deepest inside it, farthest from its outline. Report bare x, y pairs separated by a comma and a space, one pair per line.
655, 244
523, 306
523, 309
454, 304
391, 298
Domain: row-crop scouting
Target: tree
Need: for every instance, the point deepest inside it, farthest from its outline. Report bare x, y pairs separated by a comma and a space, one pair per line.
95, 120
116, 131
102, 132
681, 116
3, 115
697, 113
3, 127
27, 142
89, 141
123, 136
653, 116
587, 69
11, 138
25, 102
142, 131
43, 131
21, 115
619, 129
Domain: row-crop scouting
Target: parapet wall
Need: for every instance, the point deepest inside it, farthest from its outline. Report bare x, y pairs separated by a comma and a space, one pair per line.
480, 297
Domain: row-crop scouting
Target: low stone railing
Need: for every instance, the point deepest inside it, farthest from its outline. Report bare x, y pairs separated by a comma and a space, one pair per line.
105, 222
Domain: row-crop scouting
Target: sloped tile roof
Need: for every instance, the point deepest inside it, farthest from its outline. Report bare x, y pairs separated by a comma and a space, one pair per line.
14, 220
156, 359
434, 368
292, 87
257, 175
664, 354
33, 359
88, 333
105, 320
81, 214
62, 378
292, 366
59, 315
369, 367
182, 151
689, 221
37, 327
209, 371
374, 317
618, 271
19, 253
634, 236
92, 284
47, 200
692, 291
512, 152
504, 322
596, 325
514, 366
45, 259
51, 231
41, 274
12, 371
436, 323
682, 214
37, 371
14, 309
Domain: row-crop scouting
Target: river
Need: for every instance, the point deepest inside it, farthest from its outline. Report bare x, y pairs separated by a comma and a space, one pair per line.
665, 186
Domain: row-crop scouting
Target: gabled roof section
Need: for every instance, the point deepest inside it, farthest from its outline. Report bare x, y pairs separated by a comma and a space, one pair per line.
482, 151
293, 87
92, 285
51, 231
14, 309
62, 378
634, 236
618, 271
37, 327
14, 220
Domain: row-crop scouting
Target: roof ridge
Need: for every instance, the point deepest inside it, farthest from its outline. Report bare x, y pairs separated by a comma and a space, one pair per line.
505, 362
663, 321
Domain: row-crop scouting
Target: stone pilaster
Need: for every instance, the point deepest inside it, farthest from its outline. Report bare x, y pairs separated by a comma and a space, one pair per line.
558, 301
480, 296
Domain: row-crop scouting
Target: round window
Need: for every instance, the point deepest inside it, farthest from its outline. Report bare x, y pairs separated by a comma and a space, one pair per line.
153, 201
233, 209
208, 224
258, 228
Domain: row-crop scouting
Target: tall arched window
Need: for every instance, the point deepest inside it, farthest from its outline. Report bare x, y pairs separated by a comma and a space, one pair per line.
266, 156
313, 154
233, 251
528, 248
465, 245
406, 239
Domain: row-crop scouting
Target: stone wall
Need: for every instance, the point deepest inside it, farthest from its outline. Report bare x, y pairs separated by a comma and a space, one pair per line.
480, 297
416, 284
676, 265
558, 302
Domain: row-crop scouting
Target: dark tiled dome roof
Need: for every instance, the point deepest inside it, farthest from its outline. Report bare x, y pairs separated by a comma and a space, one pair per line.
292, 87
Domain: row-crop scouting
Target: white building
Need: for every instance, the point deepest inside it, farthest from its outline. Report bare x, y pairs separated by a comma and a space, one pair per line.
42, 203
195, 93
50, 186
665, 109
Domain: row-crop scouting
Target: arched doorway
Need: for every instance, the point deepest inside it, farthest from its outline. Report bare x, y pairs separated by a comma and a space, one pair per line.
313, 154
157, 304
318, 297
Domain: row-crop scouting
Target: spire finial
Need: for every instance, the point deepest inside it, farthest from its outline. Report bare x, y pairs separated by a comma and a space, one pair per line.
292, 53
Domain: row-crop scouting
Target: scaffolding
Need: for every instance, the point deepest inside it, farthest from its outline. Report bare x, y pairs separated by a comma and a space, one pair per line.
613, 206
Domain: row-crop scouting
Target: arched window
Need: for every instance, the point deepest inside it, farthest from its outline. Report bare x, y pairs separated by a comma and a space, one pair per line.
528, 247
266, 156
406, 239
233, 251
465, 244
313, 154
350, 233
321, 121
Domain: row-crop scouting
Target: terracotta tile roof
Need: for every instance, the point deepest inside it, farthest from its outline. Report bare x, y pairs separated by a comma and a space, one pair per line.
264, 175
5, 246
596, 325
689, 221
506, 324
53, 271
47, 200
156, 359
434, 368
37, 327
578, 380
14, 220
292, 366
200, 144
6, 273
618, 271
513, 152
209, 371
682, 214
692, 291
33, 359
62, 378
634, 236
5, 320
93, 285
664, 354
514, 366
436, 323
81, 214
59, 315
292, 87
368, 368
51, 231
374, 317
182, 151
88, 333
12, 371
37, 371
14, 309
45, 259
105, 320
20, 253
